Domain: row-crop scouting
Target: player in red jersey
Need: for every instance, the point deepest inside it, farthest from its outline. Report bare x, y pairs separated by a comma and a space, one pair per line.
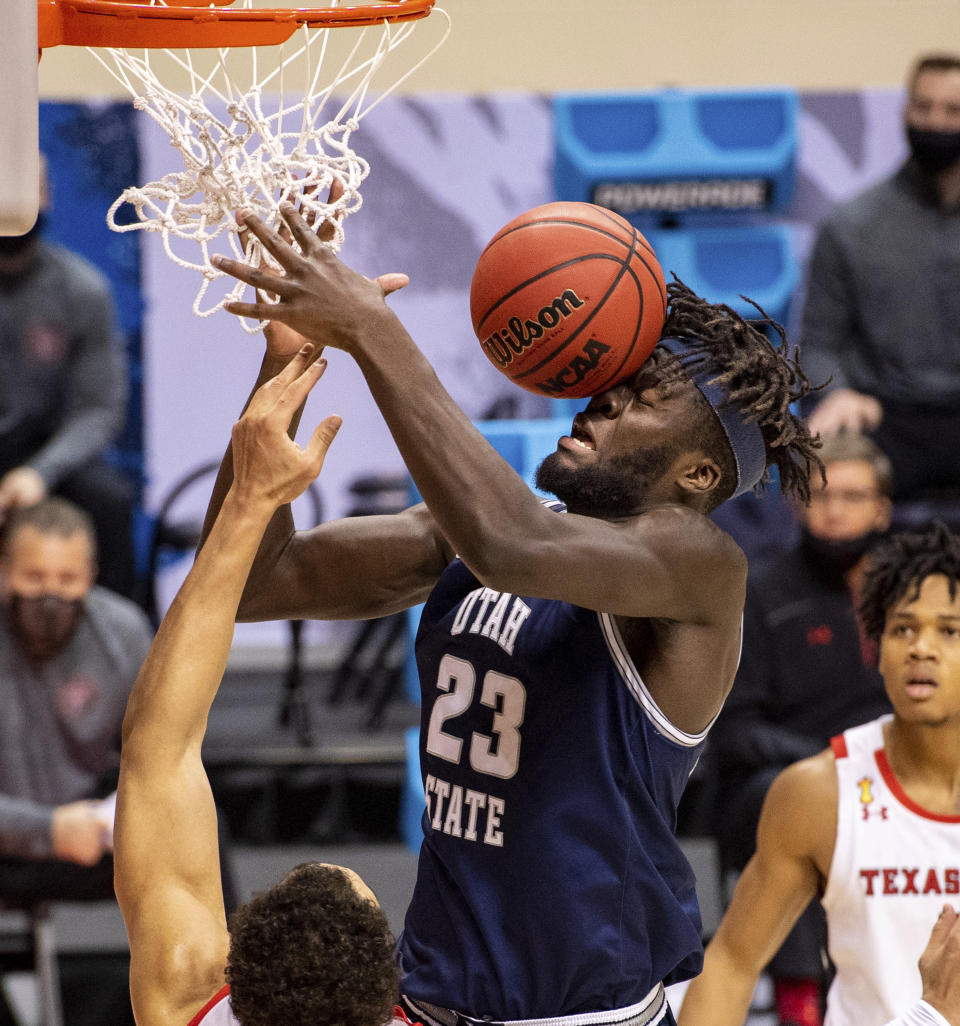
872, 823
314, 950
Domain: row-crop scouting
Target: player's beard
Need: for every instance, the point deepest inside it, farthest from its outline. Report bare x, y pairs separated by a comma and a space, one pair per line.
606, 487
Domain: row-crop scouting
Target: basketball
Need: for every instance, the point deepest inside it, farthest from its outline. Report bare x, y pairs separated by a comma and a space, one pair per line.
568, 299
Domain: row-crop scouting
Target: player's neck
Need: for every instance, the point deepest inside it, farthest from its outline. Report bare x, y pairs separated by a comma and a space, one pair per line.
926, 761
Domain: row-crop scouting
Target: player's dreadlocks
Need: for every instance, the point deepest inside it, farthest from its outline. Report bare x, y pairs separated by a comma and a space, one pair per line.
760, 378
898, 566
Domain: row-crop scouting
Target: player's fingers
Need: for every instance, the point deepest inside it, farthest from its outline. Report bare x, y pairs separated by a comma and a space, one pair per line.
276, 393
328, 228
255, 311
945, 925
272, 240
321, 440
336, 191
949, 921
303, 375
261, 280
392, 282
302, 232
290, 196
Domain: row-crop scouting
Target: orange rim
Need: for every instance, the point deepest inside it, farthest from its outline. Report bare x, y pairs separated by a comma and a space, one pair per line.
181, 26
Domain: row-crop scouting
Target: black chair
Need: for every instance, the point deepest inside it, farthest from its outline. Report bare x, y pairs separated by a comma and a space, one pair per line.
33, 946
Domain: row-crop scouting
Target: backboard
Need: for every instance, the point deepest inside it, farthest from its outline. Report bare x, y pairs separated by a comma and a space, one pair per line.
19, 154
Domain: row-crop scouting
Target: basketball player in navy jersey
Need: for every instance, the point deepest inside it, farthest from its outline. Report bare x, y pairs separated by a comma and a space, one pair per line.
570, 665
314, 950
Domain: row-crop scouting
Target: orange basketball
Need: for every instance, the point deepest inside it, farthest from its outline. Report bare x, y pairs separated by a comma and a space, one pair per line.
568, 299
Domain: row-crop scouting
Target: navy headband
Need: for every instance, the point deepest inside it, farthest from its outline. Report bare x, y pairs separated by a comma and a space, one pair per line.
744, 436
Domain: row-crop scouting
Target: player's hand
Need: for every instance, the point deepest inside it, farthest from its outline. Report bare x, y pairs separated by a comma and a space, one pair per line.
268, 465
940, 966
317, 295
22, 486
76, 833
845, 410
282, 341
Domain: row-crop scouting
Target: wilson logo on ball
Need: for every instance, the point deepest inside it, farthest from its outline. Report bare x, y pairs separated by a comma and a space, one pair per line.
503, 345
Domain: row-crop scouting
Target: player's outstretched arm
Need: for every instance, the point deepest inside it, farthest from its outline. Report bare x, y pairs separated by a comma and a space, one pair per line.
794, 847
491, 519
349, 569
167, 875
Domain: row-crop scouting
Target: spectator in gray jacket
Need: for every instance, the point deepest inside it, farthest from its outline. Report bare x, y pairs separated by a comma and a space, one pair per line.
63, 391
882, 313
69, 654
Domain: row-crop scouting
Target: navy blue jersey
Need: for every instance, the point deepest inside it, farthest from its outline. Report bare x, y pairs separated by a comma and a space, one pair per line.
550, 881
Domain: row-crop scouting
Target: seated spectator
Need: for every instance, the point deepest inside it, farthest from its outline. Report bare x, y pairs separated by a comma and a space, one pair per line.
69, 654
807, 672
63, 391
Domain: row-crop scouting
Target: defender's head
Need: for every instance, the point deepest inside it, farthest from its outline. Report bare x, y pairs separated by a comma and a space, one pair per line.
314, 950
912, 606
48, 563
701, 421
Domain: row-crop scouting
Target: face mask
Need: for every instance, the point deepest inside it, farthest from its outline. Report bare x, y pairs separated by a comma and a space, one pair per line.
43, 625
835, 558
933, 151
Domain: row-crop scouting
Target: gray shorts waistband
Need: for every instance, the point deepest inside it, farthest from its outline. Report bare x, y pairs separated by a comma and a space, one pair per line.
648, 1012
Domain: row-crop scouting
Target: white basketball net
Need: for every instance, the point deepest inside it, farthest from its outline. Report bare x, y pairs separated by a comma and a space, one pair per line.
250, 153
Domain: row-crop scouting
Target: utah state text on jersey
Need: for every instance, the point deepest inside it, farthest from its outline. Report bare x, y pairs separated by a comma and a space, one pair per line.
501, 623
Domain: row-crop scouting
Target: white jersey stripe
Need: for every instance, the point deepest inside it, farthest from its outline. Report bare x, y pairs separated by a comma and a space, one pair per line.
633, 680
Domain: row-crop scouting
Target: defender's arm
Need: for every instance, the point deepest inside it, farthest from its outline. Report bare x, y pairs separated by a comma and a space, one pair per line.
167, 875
795, 840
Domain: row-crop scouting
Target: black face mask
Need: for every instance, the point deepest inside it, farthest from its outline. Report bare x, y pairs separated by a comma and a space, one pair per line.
14, 245
43, 625
835, 558
933, 151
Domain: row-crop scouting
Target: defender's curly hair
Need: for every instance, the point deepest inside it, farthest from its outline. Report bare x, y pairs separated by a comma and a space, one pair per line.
898, 567
311, 952
761, 378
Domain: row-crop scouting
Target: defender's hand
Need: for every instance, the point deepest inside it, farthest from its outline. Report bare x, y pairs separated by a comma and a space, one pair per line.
268, 466
940, 966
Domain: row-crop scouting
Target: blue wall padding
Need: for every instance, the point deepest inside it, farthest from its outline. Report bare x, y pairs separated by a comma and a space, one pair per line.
626, 150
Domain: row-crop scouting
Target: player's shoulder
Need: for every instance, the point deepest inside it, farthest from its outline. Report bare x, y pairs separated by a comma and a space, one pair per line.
805, 784
691, 538
800, 810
